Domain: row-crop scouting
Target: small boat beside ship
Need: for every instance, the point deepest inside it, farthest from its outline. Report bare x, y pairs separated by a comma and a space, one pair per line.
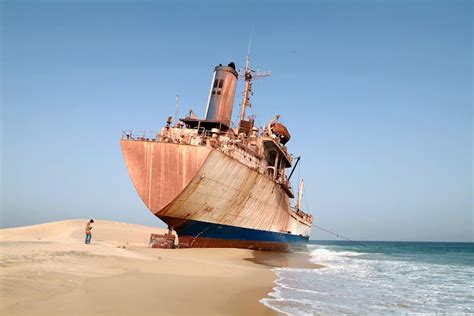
218, 184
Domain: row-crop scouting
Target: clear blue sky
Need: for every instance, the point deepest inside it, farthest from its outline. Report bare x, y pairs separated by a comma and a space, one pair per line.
377, 95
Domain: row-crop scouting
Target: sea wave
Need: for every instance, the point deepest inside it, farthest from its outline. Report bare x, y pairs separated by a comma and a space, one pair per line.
371, 283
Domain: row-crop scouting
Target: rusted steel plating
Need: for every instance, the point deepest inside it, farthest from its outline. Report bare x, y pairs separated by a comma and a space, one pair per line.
263, 151
201, 175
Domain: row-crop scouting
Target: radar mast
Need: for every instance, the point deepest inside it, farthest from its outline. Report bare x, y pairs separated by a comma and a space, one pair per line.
248, 75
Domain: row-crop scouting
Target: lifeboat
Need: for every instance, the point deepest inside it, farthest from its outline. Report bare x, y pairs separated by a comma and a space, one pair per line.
280, 131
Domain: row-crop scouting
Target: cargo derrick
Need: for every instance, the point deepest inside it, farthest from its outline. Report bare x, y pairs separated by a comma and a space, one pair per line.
219, 185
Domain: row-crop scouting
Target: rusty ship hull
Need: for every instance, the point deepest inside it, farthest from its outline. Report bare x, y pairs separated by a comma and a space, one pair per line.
218, 184
212, 199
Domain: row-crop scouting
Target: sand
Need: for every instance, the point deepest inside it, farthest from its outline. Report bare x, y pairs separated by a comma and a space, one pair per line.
47, 269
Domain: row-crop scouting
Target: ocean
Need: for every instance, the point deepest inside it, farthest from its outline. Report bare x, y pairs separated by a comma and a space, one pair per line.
378, 278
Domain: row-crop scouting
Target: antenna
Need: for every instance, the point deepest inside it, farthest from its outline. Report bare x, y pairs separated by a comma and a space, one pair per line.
247, 60
176, 112
249, 75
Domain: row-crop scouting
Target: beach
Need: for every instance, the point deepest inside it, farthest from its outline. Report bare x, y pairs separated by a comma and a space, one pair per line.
47, 269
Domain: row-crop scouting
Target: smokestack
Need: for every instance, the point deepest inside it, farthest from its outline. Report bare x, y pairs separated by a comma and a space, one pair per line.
221, 98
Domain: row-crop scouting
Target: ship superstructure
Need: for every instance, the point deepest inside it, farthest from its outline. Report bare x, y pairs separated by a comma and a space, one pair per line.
215, 184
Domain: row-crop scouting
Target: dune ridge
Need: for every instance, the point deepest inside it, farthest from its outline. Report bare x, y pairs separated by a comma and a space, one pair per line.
47, 269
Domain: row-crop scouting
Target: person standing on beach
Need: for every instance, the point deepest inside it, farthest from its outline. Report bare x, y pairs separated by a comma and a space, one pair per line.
88, 231
172, 232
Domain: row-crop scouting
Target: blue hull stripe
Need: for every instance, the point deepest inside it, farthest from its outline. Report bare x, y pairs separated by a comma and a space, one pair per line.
209, 230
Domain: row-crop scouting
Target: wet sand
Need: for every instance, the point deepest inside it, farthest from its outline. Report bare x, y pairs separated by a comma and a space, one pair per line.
47, 269
280, 260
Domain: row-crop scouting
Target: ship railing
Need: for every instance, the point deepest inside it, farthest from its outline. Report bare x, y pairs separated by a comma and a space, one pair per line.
201, 131
305, 216
147, 135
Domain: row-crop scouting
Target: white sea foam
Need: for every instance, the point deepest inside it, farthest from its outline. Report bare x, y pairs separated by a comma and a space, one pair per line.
326, 254
361, 283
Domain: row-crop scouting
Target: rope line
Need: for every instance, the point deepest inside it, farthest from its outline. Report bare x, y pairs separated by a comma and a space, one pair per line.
192, 242
339, 235
323, 229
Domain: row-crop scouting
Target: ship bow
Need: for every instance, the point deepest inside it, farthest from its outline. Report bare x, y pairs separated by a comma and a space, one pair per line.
161, 171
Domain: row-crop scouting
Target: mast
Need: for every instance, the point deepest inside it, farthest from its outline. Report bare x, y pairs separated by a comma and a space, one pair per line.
249, 75
248, 86
300, 195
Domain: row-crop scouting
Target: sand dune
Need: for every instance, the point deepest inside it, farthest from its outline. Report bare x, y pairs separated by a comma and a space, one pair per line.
47, 269
73, 230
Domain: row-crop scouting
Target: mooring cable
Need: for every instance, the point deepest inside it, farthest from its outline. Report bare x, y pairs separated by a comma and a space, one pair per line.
326, 230
339, 235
